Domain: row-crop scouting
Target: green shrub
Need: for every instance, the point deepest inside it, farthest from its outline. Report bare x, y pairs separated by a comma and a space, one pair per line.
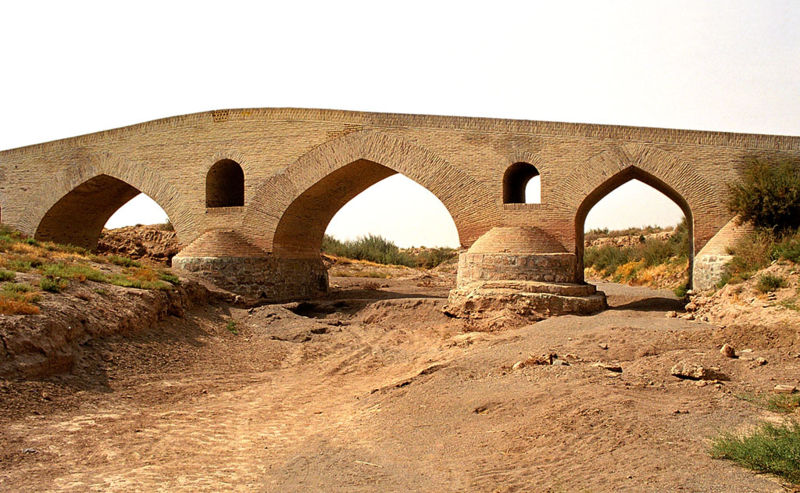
79, 272
231, 327
655, 252
53, 285
430, 258
681, 290
123, 261
768, 194
371, 247
768, 283
607, 258
750, 253
170, 278
778, 403
787, 247
126, 281
20, 292
7, 275
167, 226
770, 448
14, 287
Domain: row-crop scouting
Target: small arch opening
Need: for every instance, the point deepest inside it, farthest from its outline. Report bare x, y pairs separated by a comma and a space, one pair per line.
225, 184
522, 184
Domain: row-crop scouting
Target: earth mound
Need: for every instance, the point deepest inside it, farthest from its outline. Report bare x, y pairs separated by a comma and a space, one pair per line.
156, 242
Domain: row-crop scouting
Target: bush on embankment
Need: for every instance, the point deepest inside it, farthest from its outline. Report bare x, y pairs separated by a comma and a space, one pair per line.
768, 196
375, 248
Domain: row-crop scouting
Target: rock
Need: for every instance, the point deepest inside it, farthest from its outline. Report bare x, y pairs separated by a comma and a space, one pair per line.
728, 351
784, 389
690, 307
701, 383
603, 346
559, 362
608, 366
518, 365
691, 371
760, 361
672, 314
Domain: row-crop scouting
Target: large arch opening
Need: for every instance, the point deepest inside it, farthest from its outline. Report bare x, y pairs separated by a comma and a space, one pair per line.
302, 227
634, 211
78, 218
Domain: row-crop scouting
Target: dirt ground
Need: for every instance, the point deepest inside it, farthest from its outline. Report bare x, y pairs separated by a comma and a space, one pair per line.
375, 389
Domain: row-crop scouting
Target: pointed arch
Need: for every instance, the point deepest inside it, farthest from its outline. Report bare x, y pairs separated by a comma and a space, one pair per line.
289, 211
611, 184
78, 202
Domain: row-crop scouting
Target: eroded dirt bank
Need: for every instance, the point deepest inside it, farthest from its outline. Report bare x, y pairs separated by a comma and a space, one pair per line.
376, 390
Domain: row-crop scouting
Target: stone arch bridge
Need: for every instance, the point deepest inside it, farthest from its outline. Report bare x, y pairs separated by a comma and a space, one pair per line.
251, 191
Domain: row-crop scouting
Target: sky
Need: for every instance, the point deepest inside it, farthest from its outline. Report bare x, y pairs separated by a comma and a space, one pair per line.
71, 68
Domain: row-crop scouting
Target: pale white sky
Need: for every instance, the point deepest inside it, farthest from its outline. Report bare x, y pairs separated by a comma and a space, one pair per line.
78, 67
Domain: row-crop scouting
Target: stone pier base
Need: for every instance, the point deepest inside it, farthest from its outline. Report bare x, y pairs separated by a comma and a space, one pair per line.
529, 299
524, 271
265, 278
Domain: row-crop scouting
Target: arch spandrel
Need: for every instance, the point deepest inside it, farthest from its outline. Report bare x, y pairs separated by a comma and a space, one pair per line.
671, 175
471, 206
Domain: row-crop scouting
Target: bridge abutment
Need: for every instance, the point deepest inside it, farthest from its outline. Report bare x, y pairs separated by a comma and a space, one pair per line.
709, 264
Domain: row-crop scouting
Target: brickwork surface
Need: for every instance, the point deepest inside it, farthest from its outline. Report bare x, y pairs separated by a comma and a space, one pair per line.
300, 166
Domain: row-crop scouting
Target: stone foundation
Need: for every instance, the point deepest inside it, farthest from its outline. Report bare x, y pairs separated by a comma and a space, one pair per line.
542, 267
266, 278
708, 271
529, 299
709, 263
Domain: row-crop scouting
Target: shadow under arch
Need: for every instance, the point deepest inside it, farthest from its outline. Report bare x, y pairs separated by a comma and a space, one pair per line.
78, 217
611, 184
302, 227
289, 212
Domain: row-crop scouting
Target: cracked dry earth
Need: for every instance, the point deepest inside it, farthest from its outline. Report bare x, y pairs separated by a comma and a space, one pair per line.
377, 390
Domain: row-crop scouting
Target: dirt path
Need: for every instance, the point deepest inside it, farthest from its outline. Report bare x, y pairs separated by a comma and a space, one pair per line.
391, 395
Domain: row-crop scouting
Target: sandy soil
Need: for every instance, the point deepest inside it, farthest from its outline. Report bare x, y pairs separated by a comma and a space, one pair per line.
374, 389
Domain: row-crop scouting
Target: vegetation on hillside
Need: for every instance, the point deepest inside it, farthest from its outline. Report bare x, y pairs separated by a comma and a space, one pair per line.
768, 196
57, 266
597, 233
642, 263
377, 249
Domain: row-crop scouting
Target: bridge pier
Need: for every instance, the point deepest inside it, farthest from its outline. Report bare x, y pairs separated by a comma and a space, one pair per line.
228, 260
524, 270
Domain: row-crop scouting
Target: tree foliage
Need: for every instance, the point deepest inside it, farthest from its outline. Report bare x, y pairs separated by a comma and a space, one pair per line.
768, 194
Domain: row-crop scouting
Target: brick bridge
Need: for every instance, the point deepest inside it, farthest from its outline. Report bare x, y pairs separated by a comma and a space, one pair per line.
250, 192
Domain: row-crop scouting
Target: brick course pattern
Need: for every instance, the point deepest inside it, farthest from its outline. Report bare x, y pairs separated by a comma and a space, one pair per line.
300, 166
